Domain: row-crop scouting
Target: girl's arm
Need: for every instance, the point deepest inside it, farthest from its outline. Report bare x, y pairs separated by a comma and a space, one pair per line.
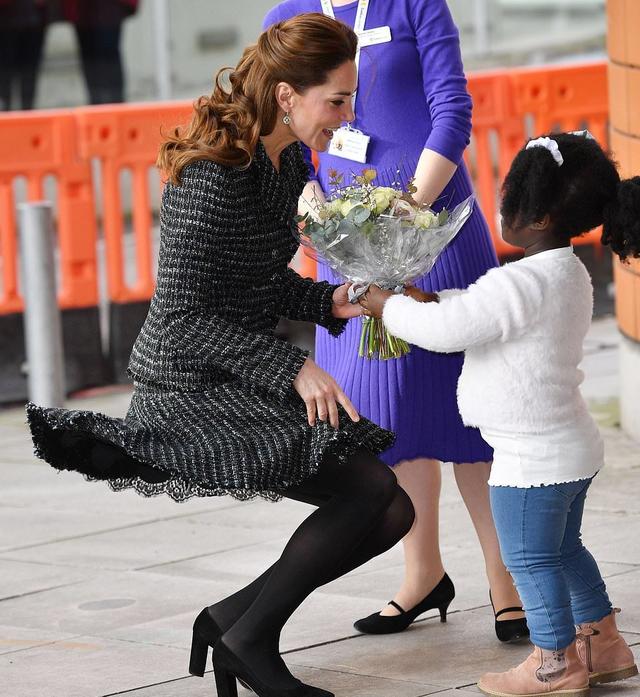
500, 306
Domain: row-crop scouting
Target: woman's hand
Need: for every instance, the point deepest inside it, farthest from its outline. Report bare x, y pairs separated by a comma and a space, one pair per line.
321, 393
373, 301
342, 308
421, 296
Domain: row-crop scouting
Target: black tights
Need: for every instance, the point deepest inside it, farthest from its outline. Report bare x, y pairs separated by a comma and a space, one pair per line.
362, 512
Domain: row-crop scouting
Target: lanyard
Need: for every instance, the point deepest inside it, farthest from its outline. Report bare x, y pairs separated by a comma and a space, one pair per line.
358, 27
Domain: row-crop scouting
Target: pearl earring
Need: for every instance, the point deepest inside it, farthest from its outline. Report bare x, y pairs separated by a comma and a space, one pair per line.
286, 119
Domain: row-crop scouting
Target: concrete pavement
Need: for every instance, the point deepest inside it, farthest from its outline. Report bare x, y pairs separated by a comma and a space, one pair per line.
98, 590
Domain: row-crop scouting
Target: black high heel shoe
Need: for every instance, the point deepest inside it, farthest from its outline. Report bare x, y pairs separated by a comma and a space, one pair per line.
206, 633
509, 631
228, 668
440, 598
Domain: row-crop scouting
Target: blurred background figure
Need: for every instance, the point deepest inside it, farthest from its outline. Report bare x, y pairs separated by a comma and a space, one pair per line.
22, 28
98, 27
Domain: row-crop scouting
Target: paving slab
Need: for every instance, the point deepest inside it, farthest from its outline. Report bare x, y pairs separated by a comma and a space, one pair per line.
87, 666
320, 619
14, 639
98, 590
111, 601
35, 485
625, 594
24, 578
429, 652
340, 683
612, 537
613, 491
143, 545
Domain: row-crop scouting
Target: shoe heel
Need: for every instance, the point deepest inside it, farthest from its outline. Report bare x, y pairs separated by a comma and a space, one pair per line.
443, 612
225, 682
199, 652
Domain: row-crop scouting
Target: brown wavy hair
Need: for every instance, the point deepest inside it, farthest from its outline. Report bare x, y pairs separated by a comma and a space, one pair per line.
226, 125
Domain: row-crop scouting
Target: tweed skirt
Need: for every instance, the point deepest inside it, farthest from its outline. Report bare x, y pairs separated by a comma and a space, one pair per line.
228, 439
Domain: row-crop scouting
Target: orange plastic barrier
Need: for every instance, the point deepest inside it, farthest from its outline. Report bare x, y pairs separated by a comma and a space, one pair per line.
127, 137
498, 134
34, 146
511, 106
566, 98
508, 106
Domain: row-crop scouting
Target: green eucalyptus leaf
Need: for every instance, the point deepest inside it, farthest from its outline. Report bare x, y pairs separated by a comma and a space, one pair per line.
361, 214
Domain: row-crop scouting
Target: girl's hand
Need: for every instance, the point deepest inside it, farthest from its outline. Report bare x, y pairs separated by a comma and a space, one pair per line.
373, 301
420, 295
342, 308
321, 394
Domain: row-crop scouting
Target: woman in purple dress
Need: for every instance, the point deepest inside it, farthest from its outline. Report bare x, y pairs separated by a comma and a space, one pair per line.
413, 104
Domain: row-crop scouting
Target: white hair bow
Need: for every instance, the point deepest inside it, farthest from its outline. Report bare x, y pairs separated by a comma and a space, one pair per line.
551, 145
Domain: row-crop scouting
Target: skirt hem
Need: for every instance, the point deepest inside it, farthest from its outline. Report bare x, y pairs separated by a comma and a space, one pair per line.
73, 446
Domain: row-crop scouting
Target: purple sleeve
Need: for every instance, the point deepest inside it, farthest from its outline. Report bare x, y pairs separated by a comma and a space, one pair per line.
445, 85
272, 17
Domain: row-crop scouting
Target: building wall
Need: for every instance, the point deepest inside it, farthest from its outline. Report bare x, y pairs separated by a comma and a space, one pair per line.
205, 35
208, 34
624, 86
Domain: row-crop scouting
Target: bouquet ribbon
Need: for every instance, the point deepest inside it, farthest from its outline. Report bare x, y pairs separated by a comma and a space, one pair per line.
357, 290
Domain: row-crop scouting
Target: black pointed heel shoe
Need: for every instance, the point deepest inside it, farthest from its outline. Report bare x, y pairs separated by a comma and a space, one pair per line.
206, 633
509, 631
228, 668
440, 598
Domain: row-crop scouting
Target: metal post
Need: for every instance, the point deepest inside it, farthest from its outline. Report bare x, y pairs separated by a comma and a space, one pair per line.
162, 48
481, 26
43, 332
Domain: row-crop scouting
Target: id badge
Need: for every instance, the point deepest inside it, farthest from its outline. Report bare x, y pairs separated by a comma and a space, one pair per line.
372, 37
350, 144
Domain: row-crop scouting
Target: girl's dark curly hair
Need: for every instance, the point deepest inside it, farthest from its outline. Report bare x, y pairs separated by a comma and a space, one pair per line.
586, 191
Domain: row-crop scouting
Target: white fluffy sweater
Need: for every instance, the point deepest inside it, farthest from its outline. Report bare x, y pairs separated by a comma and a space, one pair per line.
522, 328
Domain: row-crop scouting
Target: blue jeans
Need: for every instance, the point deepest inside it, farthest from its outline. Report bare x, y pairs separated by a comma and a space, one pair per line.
558, 580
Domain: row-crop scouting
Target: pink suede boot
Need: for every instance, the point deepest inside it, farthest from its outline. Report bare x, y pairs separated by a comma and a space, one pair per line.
542, 674
605, 653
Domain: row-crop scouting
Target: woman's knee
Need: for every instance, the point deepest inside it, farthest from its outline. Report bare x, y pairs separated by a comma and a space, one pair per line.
374, 475
368, 479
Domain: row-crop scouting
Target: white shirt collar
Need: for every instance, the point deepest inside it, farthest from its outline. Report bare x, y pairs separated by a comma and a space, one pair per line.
560, 253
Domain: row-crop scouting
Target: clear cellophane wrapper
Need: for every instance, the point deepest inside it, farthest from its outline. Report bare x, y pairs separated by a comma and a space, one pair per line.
387, 251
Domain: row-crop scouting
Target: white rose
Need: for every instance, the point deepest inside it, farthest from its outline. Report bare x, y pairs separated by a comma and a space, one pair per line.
403, 209
425, 219
332, 208
382, 197
347, 205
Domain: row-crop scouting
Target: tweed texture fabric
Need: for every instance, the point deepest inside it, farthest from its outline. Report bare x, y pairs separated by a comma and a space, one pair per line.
214, 410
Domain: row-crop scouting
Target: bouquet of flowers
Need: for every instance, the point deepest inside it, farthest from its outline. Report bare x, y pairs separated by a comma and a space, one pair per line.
372, 234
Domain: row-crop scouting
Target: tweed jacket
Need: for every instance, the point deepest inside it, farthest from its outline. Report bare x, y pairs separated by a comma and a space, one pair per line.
214, 411
223, 280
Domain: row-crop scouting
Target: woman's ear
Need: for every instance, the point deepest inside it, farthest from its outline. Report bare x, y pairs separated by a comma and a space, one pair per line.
543, 224
284, 96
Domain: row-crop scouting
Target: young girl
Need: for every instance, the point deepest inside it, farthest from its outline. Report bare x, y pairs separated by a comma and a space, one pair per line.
522, 327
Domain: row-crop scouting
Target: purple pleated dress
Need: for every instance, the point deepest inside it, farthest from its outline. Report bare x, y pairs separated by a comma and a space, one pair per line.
411, 95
